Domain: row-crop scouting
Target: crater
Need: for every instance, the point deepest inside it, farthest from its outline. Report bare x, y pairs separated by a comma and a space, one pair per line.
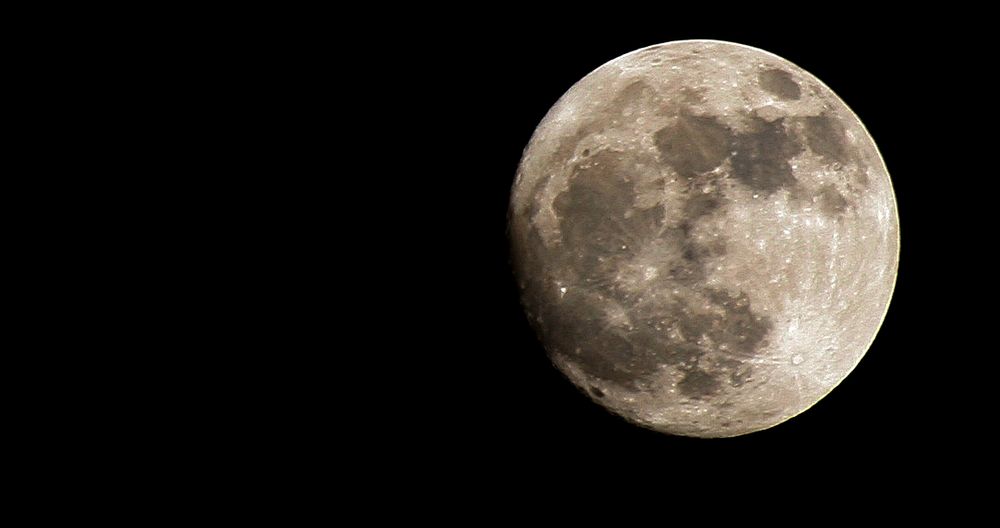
780, 84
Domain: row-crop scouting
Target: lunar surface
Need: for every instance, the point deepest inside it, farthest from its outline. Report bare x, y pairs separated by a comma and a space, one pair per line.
705, 237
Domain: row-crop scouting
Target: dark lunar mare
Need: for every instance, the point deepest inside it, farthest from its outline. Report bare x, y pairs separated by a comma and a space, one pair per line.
598, 239
779, 83
762, 156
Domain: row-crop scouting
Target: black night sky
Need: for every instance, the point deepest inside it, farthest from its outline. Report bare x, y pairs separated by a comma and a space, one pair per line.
497, 404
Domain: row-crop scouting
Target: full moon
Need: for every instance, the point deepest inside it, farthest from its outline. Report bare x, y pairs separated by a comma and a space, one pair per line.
705, 238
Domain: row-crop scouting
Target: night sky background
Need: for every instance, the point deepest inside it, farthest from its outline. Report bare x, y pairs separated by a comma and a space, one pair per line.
918, 402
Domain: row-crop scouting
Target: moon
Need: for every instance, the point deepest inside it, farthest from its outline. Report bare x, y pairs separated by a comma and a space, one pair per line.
705, 238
